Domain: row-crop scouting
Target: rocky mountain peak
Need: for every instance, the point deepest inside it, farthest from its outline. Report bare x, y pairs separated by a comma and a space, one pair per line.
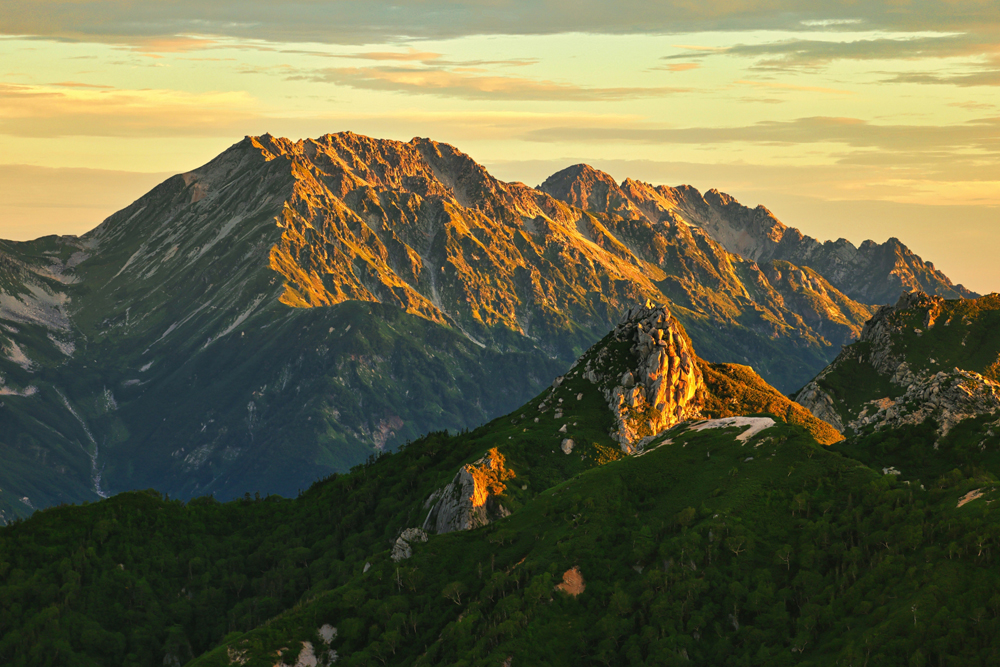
871, 273
659, 385
320, 235
584, 187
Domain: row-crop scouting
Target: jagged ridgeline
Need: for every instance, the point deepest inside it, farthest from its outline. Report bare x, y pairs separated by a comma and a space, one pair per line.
536, 539
292, 308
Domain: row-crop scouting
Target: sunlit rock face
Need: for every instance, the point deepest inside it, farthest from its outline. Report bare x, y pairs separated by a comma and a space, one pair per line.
286, 310
664, 387
871, 273
471, 499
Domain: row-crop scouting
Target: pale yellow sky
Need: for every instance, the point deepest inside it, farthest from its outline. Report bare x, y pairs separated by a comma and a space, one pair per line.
846, 121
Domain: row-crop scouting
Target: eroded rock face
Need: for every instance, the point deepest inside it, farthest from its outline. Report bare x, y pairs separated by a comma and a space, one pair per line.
821, 404
948, 397
871, 273
663, 389
402, 550
470, 500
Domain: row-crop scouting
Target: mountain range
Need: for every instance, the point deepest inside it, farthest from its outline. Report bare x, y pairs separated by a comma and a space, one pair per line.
292, 308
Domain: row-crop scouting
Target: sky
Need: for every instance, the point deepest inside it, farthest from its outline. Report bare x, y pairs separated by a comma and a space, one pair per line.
861, 120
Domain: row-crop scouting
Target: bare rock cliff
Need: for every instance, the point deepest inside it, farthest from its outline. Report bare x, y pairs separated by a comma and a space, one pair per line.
471, 499
663, 387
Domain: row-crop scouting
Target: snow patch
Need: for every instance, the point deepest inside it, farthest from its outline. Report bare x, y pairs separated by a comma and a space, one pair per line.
173, 326
95, 472
129, 261
223, 233
240, 319
756, 424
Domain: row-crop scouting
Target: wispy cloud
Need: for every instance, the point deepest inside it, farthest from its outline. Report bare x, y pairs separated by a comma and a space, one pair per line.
789, 86
77, 84
410, 55
679, 67
981, 135
461, 83
81, 110
987, 77
975, 60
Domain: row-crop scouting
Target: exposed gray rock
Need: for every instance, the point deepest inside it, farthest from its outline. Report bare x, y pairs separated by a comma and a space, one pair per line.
469, 501
947, 397
821, 404
402, 550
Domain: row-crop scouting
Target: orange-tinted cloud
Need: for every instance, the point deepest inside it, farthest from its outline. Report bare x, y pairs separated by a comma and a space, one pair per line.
679, 67
60, 110
470, 85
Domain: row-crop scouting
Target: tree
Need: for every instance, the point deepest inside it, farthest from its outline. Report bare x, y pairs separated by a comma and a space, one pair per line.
454, 591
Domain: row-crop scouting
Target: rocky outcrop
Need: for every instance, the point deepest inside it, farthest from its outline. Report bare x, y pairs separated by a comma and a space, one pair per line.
946, 397
893, 375
821, 404
401, 549
662, 387
472, 498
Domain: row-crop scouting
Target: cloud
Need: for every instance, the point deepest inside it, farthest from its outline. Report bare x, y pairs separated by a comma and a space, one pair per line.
978, 56
445, 82
427, 58
990, 77
405, 56
679, 67
77, 84
378, 21
789, 86
981, 135
80, 110
813, 53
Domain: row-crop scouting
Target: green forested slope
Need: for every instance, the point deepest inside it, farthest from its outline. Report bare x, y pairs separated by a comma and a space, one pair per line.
778, 551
